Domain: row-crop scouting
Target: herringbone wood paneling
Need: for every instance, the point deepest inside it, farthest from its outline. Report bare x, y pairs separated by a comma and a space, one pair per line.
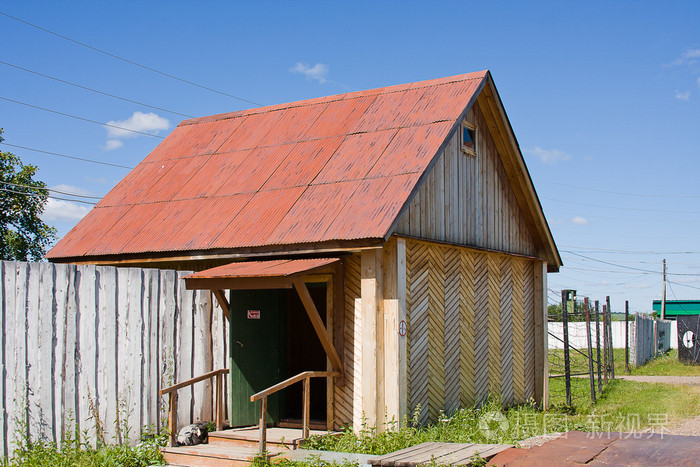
506, 306
529, 328
452, 326
494, 323
346, 401
469, 331
466, 327
436, 332
481, 327
518, 333
419, 289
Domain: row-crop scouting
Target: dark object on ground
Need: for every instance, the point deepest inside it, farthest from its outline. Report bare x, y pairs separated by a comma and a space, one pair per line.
192, 434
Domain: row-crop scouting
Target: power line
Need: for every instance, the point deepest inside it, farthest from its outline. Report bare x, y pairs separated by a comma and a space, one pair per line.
50, 190
6, 190
95, 90
611, 264
81, 118
636, 252
618, 207
82, 44
641, 195
67, 156
683, 285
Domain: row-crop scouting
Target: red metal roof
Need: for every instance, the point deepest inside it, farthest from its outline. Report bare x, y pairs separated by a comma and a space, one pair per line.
328, 169
250, 269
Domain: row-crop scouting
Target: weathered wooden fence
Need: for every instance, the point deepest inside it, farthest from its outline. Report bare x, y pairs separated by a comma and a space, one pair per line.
87, 348
647, 337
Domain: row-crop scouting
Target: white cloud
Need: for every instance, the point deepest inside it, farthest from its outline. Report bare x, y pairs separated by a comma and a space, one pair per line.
684, 96
549, 156
687, 57
318, 72
71, 189
57, 210
112, 144
139, 121
579, 220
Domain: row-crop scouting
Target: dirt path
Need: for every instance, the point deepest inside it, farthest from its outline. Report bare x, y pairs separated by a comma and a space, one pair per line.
679, 380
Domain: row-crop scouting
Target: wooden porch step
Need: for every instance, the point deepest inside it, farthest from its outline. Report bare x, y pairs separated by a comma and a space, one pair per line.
208, 455
278, 438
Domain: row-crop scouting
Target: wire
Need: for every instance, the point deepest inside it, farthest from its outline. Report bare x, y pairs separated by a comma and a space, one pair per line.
637, 252
96, 91
130, 61
81, 118
683, 285
618, 207
641, 195
54, 197
67, 157
50, 190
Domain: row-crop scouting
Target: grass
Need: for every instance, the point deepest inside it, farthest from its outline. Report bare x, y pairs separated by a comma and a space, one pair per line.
38, 454
663, 365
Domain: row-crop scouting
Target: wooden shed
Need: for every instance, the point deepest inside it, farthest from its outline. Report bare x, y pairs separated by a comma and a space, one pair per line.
392, 236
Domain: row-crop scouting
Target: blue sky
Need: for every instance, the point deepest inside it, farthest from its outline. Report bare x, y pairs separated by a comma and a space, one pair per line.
604, 98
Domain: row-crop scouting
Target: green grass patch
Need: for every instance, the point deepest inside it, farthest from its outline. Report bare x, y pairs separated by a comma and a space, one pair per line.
71, 454
664, 365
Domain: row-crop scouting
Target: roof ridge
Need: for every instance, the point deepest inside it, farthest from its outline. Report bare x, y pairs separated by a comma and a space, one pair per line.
335, 98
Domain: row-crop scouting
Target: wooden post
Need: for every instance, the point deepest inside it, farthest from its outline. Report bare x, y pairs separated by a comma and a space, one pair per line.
370, 304
172, 418
605, 344
262, 445
597, 338
541, 355
591, 375
627, 336
219, 402
612, 358
565, 327
305, 407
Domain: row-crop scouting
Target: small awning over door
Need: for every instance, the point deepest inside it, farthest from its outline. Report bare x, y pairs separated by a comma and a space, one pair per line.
277, 274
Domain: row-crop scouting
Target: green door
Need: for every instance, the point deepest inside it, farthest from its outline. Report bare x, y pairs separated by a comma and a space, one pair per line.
256, 357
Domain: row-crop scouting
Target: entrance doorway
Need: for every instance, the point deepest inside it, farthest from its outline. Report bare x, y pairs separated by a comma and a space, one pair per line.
272, 339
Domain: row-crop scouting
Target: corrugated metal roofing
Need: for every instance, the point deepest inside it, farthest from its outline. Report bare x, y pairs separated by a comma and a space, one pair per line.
328, 169
275, 268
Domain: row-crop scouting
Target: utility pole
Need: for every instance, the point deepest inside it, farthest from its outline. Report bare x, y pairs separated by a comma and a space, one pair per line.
663, 295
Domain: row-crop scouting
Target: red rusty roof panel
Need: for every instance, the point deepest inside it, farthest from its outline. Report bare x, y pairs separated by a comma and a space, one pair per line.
332, 168
251, 131
189, 140
165, 188
389, 110
361, 219
219, 171
312, 214
412, 149
256, 221
304, 163
356, 156
254, 171
274, 268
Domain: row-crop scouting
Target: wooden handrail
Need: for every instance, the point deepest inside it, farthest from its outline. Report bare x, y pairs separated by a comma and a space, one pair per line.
172, 392
289, 381
191, 381
262, 397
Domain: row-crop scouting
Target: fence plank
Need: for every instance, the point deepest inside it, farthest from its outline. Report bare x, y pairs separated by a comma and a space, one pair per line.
77, 340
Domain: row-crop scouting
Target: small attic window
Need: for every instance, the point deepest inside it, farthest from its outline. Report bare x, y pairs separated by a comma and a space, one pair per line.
468, 139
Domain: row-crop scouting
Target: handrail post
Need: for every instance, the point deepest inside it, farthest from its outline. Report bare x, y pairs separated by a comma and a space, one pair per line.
219, 404
172, 418
306, 415
263, 426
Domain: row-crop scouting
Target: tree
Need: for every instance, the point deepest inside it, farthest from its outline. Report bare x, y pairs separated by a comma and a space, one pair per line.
23, 235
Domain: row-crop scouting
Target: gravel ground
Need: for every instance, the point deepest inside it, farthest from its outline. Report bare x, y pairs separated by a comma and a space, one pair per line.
680, 380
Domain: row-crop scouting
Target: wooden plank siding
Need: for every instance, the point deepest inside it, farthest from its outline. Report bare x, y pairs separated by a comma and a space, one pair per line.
86, 349
471, 316
469, 200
